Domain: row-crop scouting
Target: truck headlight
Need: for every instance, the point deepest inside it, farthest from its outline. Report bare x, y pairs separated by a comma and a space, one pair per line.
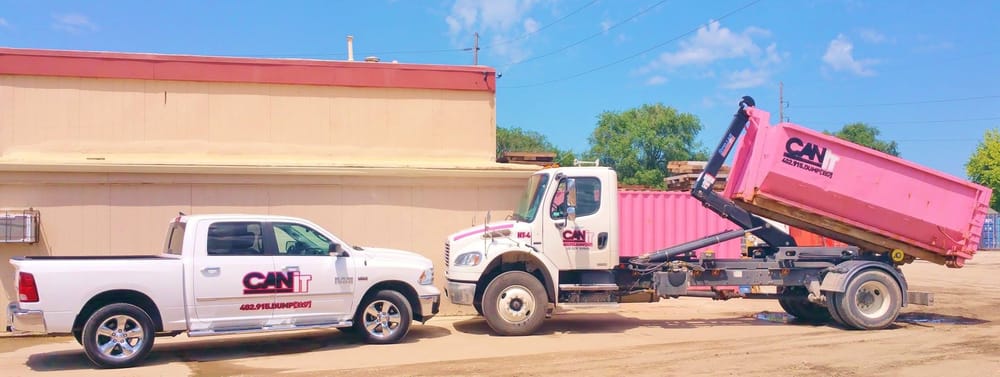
427, 276
469, 259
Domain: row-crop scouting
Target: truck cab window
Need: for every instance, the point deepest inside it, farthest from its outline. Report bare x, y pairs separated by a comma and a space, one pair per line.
588, 198
297, 239
235, 238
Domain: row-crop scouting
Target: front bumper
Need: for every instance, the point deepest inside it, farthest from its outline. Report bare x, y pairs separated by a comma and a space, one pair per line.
429, 306
460, 293
24, 321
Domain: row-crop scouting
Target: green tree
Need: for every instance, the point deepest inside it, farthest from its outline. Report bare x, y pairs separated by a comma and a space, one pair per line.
517, 139
862, 133
984, 165
638, 142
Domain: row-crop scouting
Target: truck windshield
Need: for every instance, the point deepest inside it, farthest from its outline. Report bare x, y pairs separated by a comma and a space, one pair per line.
527, 207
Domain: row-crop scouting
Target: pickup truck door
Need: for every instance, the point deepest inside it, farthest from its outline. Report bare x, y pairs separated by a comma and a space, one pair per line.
325, 290
234, 280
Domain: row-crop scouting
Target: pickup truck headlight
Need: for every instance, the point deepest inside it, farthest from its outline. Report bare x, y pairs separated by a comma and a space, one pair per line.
427, 276
469, 259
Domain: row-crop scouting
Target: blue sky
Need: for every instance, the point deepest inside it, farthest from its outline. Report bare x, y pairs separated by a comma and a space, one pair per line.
925, 72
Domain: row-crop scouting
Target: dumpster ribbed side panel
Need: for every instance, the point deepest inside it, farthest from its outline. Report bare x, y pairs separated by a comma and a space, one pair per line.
652, 220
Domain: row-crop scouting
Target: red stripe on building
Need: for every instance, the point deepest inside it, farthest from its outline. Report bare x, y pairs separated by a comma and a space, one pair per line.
117, 65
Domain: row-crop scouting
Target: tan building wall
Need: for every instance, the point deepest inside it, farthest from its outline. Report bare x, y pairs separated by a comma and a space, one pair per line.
109, 147
82, 120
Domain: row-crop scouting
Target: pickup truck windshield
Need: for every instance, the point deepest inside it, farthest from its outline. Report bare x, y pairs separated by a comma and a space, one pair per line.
527, 207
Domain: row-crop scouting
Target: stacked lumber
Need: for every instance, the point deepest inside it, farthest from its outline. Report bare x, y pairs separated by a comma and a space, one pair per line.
529, 158
683, 174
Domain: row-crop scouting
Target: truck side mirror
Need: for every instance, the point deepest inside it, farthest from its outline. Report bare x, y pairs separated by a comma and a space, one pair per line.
570, 199
337, 250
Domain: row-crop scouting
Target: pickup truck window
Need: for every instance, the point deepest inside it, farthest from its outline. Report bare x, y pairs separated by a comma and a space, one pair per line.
175, 239
235, 238
297, 239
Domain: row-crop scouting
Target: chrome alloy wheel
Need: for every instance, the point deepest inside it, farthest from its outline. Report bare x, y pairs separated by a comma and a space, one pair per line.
381, 318
119, 337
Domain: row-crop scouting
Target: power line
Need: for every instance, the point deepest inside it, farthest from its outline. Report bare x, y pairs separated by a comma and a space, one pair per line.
910, 121
592, 36
898, 103
656, 46
525, 35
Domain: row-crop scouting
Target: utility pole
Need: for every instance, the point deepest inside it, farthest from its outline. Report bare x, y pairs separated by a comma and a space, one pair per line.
475, 51
781, 102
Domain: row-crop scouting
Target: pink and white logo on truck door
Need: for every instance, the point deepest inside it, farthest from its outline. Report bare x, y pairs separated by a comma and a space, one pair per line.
275, 282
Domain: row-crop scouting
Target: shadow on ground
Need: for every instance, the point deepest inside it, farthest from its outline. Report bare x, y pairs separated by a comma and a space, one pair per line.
229, 348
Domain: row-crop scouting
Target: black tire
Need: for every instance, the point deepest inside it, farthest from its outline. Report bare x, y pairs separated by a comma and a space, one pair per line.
871, 302
78, 335
383, 318
795, 302
831, 307
478, 305
514, 304
118, 336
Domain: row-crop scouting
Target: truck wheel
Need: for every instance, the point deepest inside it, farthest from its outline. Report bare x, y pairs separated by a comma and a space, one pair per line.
514, 304
831, 307
118, 336
478, 305
383, 318
794, 301
872, 301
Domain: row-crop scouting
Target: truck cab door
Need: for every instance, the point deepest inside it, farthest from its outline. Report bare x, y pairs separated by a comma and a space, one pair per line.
233, 277
578, 240
323, 275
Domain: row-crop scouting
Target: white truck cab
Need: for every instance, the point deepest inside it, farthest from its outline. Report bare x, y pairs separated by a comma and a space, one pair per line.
545, 242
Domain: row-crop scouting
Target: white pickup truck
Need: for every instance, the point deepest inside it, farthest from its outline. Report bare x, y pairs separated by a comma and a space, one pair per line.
223, 274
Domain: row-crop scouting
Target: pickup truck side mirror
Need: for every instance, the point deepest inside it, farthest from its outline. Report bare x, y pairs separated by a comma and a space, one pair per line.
337, 250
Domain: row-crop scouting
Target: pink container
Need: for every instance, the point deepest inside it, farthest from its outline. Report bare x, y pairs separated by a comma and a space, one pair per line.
653, 220
855, 194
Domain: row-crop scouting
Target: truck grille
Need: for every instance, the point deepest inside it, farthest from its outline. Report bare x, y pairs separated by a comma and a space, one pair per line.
447, 253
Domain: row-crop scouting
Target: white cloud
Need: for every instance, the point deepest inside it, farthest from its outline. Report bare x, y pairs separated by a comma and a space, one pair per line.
873, 36
711, 43
840, 57
4, 23
530, 26
656, 80
746, 78
714, 45
73, 23
497, 21
605, 26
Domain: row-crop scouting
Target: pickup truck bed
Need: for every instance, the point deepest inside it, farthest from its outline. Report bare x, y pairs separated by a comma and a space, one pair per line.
855, 194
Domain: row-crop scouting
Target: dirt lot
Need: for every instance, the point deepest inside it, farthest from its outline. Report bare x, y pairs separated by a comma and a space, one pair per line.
958, 336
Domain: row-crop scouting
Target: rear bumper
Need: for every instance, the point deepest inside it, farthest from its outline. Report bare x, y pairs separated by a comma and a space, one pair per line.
429, 306
25, 321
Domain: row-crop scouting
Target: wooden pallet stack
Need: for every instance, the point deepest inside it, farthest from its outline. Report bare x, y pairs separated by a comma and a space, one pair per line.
529, 158
683, 174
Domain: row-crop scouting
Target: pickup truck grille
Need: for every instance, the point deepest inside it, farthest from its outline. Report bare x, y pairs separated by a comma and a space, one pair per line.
447, 254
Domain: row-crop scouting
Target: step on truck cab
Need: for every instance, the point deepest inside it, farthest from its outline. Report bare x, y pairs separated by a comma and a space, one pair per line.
560, 249
223, 274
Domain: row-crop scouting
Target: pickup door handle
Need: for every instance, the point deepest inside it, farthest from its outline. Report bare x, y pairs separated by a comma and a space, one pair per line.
291, 268
211, 270
602, 240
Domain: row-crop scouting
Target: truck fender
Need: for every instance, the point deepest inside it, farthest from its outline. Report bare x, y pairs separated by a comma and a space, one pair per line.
549, 271
838, 276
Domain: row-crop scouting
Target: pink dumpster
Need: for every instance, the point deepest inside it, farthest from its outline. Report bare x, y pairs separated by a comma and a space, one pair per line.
854, 194
653, 220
